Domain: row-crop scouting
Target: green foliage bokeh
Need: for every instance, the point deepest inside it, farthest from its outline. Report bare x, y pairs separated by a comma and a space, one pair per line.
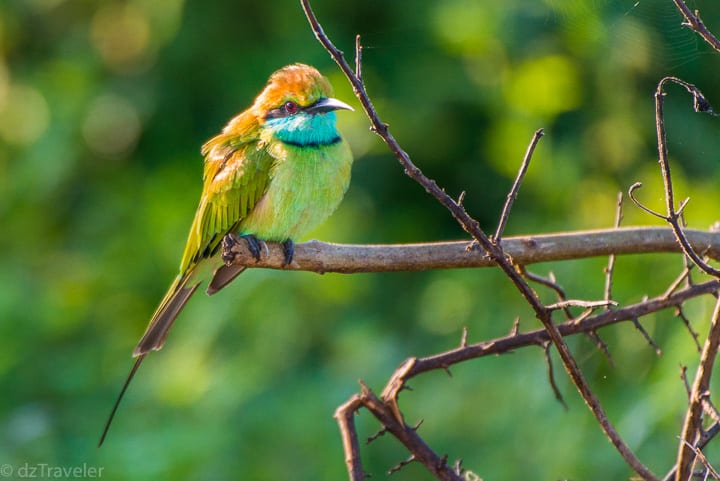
103, 108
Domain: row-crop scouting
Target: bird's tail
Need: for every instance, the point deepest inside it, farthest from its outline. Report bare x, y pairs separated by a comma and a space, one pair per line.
134, 369
155, 334
165, 316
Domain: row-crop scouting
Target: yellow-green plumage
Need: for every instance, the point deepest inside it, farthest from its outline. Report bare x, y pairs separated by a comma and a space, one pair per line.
276, 171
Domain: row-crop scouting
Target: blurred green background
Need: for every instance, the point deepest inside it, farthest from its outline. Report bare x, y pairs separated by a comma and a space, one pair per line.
103, 108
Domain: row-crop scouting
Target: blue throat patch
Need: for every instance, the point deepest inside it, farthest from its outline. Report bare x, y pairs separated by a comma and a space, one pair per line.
305, 130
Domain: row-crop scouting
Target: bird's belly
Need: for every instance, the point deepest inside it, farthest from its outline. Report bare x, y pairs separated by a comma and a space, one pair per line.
304, 190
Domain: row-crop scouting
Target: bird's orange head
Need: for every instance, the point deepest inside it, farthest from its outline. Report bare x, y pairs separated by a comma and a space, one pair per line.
295, 107
300, 84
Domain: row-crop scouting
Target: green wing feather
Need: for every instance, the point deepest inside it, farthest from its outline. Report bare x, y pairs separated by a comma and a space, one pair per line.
236, 177
230, 192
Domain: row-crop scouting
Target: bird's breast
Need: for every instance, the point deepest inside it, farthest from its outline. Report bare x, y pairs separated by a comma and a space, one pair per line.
306, 186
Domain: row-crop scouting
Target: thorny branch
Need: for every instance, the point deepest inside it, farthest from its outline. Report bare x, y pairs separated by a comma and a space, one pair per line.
610, 269
492, 251
699, 392
413, 367
674, 215
512, 195
539, 337
689, 449
694, 22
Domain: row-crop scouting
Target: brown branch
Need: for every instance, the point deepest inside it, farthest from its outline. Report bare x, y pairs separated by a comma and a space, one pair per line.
324, 257
693, 417
709, 470
647, 337
393, 423
548, 282
551, 376
415, 366
684, 277
345, 416
539, 337
610, 269
493, 250
602, 346
686, 322
512, 195
710, 409
694, 22
580, 303
674, 215
409, 437
705, 438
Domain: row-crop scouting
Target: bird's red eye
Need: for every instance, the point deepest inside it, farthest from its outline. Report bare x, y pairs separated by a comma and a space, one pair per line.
291, 107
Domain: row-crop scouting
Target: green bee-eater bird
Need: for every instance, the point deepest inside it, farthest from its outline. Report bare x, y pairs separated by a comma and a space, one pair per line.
276, 171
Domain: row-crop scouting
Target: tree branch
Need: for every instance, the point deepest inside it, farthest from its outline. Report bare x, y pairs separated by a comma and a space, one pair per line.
324, 257
694, 22
700, 390
539, 337
495, 252
512, 195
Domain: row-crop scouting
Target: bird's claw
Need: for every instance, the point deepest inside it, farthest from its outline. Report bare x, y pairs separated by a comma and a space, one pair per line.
255, 245
228, 242
289, 250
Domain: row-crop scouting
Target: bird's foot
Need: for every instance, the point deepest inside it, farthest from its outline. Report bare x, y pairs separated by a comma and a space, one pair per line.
228, 242
289, 250
255, 246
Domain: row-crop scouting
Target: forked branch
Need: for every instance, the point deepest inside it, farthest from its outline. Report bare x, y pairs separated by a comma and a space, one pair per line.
492, 249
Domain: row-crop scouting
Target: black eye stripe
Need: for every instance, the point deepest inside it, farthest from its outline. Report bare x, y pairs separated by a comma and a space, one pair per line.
287, 109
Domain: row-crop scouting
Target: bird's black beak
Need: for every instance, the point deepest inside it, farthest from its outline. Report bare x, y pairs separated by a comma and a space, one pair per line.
326, 105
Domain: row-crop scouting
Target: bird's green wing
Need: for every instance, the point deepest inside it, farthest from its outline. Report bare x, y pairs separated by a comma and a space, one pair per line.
236, 177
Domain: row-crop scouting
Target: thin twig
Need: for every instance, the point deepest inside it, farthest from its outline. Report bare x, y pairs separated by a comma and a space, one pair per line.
673, 216
358, 57
345, 416
647, 337
701, 457
409, 437
679, 312
401, 465
710, 409
686, 383
610, 269
463, 338
694, 22
602, 346
631, 194
580, 303
512, 195
548, 282
514, 330
705, 438
551, 375
693, 417
684, 276
539, 337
